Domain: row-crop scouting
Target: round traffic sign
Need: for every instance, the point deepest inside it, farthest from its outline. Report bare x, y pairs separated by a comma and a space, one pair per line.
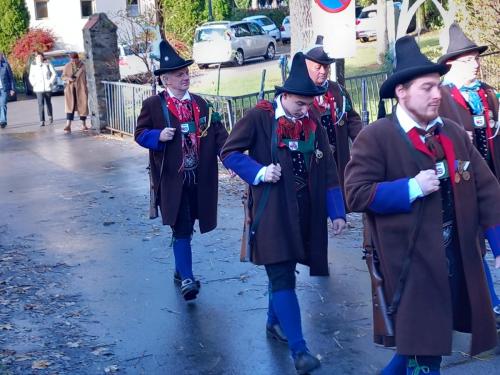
333, 6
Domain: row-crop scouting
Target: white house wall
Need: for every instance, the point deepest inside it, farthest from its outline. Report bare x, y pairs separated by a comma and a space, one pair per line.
66, 22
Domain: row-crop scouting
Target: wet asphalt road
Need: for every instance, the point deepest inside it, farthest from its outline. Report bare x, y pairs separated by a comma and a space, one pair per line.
81, 200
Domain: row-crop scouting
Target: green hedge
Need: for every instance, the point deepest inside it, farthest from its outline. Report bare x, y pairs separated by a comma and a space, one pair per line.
14, 22
276, 15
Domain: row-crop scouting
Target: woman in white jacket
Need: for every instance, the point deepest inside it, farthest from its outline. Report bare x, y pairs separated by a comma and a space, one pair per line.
42, 76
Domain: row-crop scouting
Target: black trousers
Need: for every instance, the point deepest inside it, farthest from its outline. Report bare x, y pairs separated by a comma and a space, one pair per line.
44, 98
71, 116
188, 212
281, 275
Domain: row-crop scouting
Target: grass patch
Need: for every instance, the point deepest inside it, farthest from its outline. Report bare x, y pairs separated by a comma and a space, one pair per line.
248, 82
364, 62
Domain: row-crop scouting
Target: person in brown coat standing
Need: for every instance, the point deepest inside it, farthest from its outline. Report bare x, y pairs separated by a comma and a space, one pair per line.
334, 108
426, 191
472, 104
184, 137
294, 187
75, 91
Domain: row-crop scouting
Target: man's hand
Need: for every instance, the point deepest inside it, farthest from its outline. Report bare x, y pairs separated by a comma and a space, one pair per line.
232, 174
167, 134
497, 262
273, 173
471, 135
338, 226
12, 93
428, 181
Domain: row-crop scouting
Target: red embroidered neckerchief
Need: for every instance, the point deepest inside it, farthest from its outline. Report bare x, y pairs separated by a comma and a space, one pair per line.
460, 100
328, 100
446, 143
180, 110
184, 111
288, 129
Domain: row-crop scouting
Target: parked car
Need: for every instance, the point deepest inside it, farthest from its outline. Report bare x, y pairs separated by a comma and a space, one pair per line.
366, 22
267, 24
285, 31
129, 62
225, 41
58, 59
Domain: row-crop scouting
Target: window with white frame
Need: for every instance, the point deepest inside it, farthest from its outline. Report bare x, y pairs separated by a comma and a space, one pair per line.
87, 8
132, 8
41, 10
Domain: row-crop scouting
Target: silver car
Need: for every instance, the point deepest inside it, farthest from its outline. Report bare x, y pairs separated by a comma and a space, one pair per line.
225, 41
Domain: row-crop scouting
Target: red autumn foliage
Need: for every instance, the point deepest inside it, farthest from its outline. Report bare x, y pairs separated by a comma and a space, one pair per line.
34, 40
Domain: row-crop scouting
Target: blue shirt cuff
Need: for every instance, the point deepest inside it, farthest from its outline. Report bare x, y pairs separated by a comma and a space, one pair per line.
391, 197
260, 176
492, 234
414, 190
335, 203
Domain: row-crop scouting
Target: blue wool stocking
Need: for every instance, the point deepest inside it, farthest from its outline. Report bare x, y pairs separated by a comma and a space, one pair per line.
494, 298
397, 365
183, 257
286, 307
272, 319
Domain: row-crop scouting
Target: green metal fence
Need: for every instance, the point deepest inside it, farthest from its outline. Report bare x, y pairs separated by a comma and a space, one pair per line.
124, 100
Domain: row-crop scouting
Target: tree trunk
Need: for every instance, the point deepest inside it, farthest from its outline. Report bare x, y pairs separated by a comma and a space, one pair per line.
255, 4
274, 4
159, 17
382, 36
301, 21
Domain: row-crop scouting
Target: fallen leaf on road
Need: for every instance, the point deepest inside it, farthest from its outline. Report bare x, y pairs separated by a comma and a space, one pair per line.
41, 364
112, 368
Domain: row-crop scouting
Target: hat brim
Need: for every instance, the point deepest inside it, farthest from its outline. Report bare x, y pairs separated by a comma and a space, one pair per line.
406, 75
313, 92
161, 71
445, 58
328, 61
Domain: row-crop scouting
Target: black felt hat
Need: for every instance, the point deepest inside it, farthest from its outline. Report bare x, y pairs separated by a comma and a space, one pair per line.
298, 81
170, 59
410, 64
459, 45
317, 53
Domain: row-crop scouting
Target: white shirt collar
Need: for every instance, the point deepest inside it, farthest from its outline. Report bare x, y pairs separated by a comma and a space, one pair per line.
280, 111
408, 123
185, 97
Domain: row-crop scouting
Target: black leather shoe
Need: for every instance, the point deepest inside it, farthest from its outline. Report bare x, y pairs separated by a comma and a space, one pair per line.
178, 280
305, 362
189, 289
3, 125
42, 123
275, 332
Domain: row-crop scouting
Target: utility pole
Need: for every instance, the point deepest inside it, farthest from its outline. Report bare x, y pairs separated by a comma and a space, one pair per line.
210, 16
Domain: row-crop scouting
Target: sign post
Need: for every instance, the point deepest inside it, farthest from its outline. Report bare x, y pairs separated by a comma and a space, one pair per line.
335, 20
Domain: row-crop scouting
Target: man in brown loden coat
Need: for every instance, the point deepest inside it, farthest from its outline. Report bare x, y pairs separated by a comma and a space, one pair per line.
334, 108
474, 105
294, 187
184, 137
426, 191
